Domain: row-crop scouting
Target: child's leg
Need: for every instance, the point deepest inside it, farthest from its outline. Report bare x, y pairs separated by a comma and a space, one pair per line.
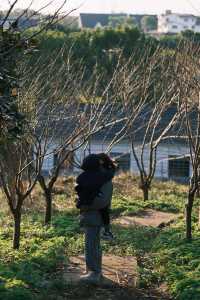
106, 234
105, 213
107, 228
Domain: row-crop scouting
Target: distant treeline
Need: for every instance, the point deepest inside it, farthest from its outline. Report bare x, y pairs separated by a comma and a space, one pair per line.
102, 47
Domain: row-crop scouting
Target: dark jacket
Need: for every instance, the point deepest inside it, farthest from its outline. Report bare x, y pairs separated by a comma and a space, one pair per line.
91, 215
89, 184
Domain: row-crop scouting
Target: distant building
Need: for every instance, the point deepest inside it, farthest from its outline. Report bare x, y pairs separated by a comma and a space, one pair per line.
94, 20
23, 22
173, 162
176, 23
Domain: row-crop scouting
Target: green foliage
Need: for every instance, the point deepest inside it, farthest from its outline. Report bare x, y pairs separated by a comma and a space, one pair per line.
170, 41
35, 272
96, 41
121, 21
191, 36
149, 23
164, 196
10, 49
131, 241
178, 262
14, 290
25, 273
177, 40
49, 40
99, 48
162, 255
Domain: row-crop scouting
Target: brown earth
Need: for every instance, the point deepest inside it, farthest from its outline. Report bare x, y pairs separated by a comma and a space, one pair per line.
120, 282
148, 217
116, 270
120, 273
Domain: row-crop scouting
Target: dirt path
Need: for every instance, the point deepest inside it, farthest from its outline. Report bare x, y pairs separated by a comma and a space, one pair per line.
118, 271
121, 273
148, 217
116, 293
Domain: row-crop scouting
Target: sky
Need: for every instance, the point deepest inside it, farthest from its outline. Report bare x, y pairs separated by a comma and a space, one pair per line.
116, 6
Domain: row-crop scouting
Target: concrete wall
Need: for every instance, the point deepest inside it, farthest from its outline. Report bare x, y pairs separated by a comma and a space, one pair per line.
163, 154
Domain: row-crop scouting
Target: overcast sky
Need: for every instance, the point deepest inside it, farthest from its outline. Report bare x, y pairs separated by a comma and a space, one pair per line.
107, 6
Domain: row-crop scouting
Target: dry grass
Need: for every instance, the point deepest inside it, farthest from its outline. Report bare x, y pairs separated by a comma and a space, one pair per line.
63, 196
125, 185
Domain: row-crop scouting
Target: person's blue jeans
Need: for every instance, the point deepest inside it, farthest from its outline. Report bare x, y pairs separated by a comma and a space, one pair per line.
93, 252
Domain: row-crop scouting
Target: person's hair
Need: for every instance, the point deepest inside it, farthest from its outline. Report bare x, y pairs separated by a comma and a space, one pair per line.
91, 163
108, 163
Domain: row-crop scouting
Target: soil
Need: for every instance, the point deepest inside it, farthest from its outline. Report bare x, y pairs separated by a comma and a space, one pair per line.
117, 271
148, 217
121, 277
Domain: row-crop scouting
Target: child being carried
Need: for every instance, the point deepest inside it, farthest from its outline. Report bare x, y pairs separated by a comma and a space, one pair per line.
97, 170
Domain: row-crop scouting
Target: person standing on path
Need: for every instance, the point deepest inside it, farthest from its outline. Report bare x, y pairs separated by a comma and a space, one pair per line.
90, 202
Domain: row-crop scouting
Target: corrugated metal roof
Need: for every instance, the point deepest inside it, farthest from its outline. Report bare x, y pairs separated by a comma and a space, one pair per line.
69, 122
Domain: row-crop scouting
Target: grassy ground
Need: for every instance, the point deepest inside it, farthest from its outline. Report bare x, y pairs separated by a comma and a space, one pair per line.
35, 272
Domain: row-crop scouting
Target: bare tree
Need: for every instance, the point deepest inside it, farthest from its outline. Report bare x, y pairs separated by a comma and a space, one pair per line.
62, 122
187, 80
147, 94
158, 117
19, 170
18, 177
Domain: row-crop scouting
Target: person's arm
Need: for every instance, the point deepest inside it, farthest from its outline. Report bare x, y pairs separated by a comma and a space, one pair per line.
108, 174
103, 198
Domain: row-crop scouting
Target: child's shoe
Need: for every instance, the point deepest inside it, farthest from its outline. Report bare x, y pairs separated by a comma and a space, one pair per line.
107, 235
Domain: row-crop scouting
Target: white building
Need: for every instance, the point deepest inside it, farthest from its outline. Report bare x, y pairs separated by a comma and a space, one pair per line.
172, 156
172, 160
176, 23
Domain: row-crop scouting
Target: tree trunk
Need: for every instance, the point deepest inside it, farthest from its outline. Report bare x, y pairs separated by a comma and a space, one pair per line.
198, 192
188, 215
199, 217
17, 227
145, 189
48, 212
145, 193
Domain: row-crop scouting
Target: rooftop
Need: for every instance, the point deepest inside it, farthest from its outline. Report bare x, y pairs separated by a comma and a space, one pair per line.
90, 20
